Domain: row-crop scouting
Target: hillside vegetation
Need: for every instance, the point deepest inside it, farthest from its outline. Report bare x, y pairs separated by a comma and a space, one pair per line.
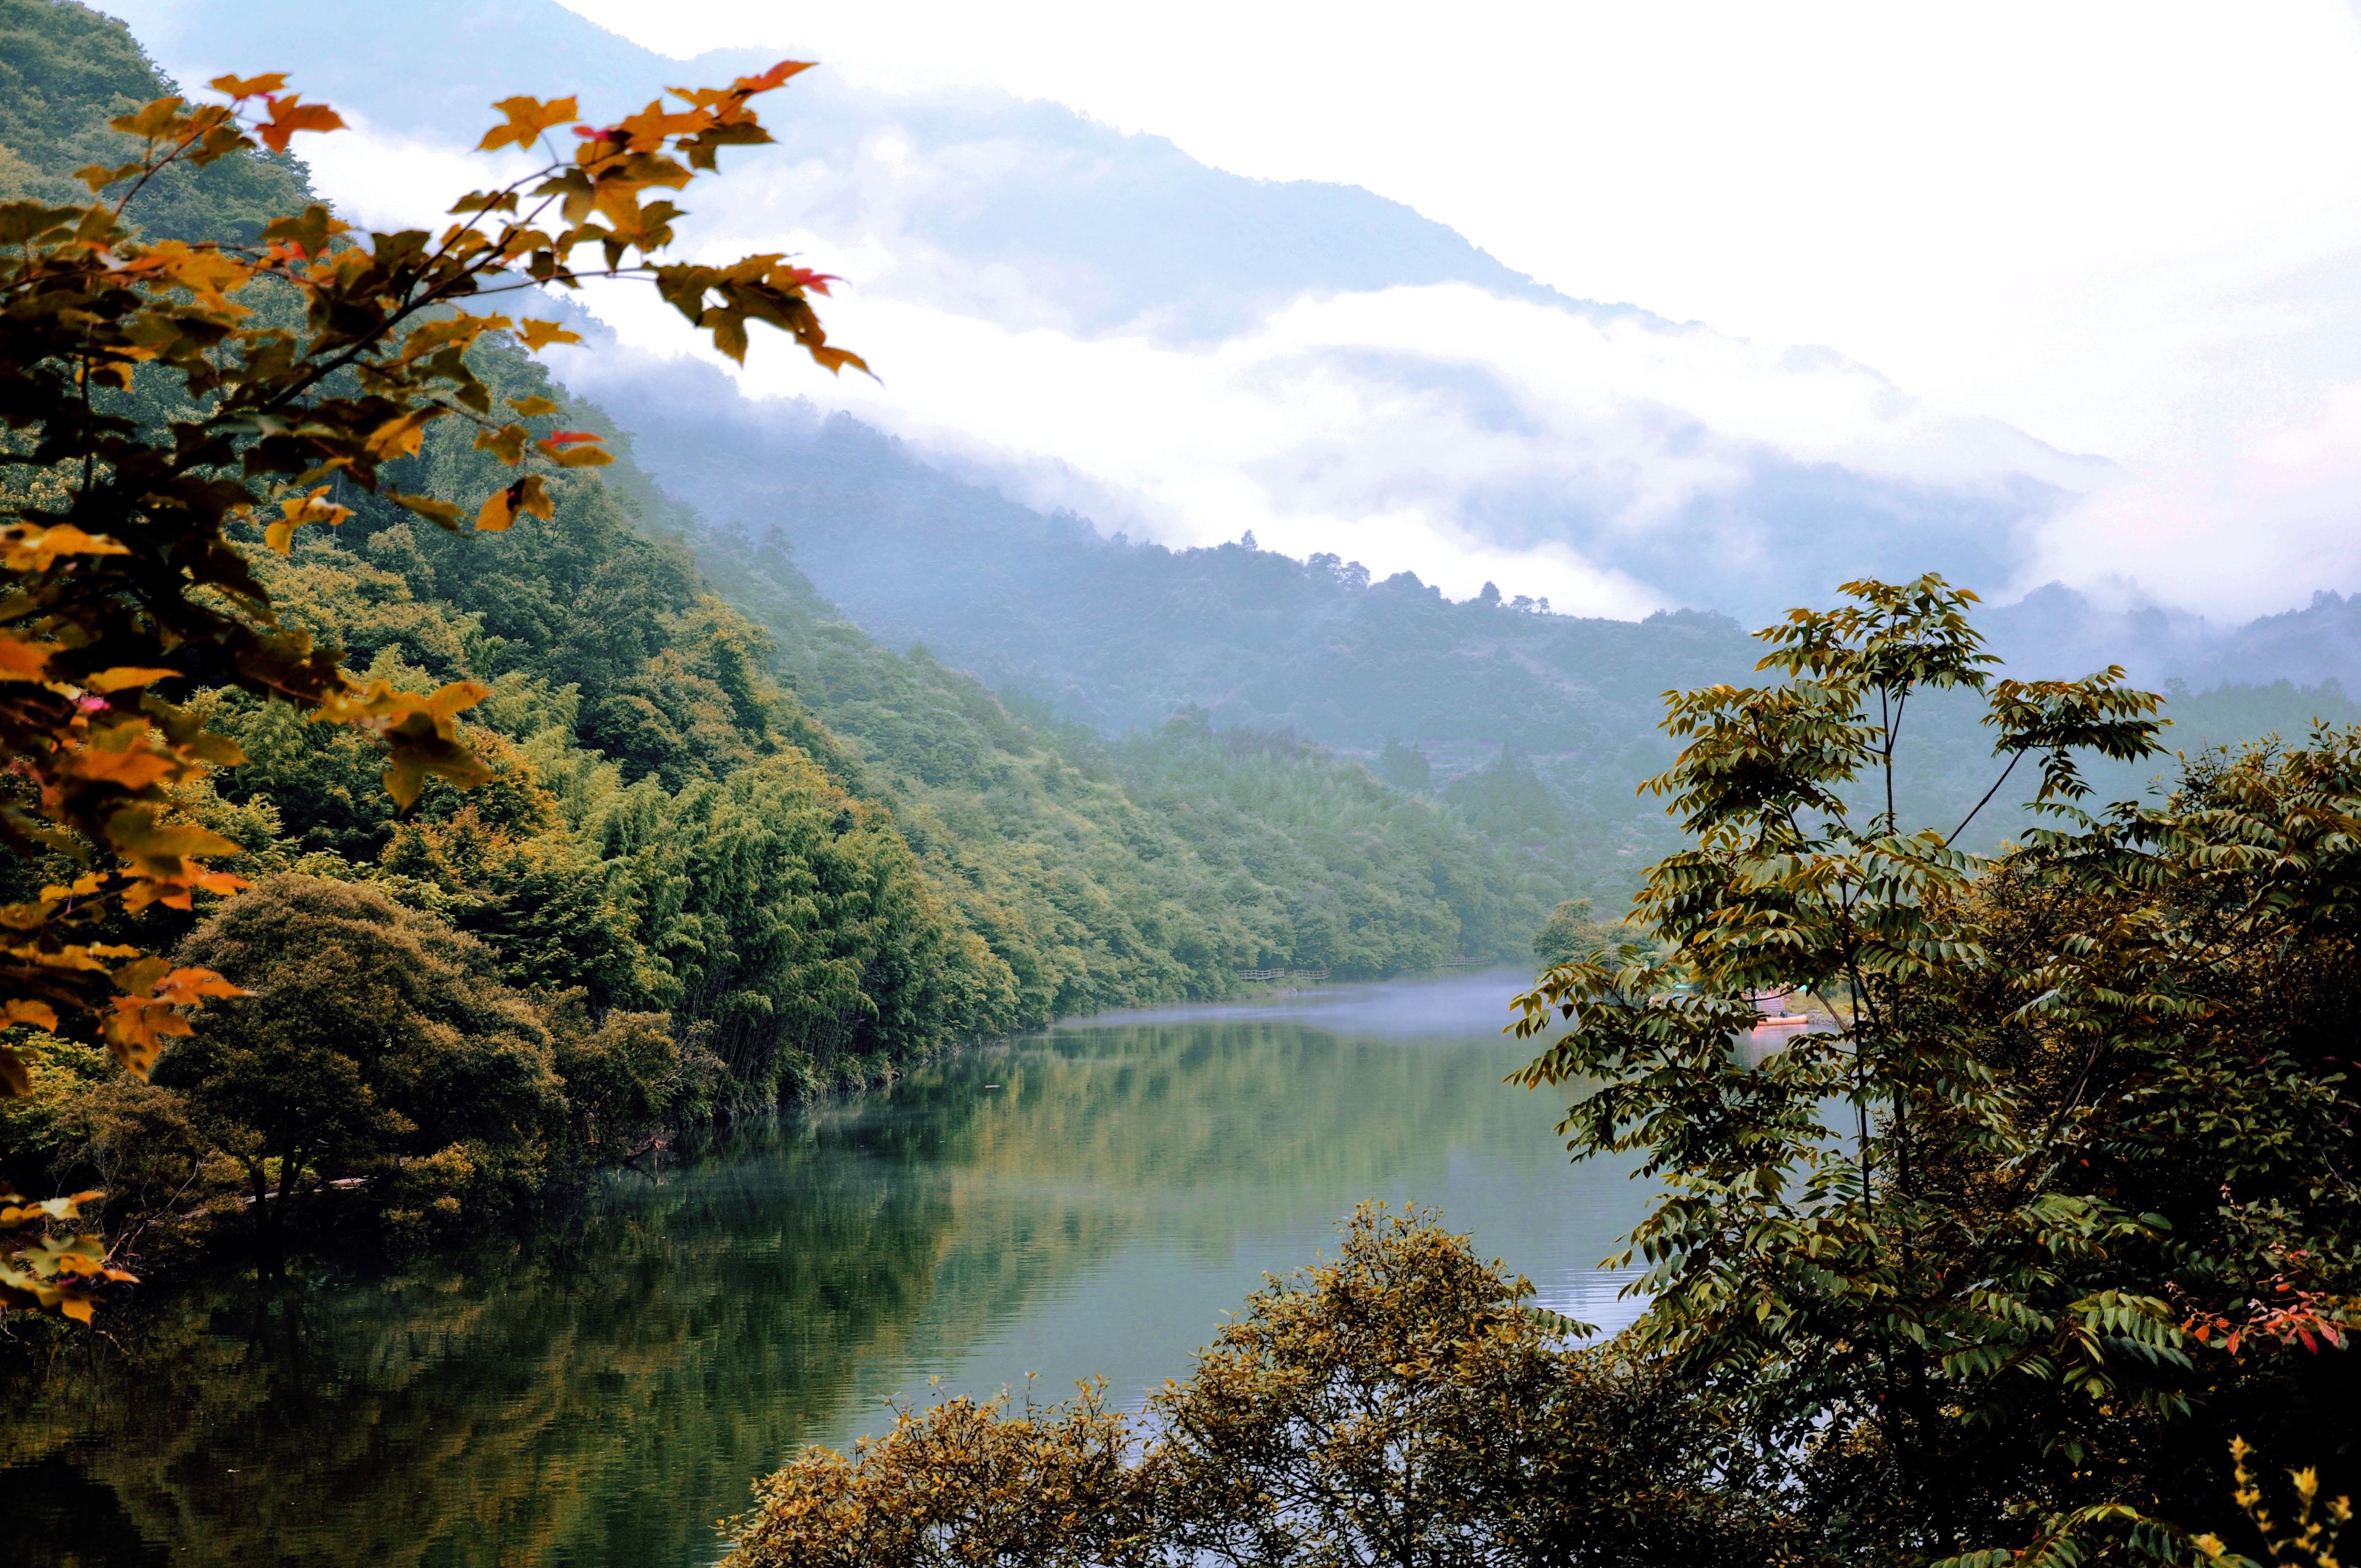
731, 849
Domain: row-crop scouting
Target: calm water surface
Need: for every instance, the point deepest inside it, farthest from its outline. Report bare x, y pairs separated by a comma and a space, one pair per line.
1085, 1202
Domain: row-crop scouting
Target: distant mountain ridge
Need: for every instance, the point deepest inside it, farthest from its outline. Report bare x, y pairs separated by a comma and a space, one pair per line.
1364, 379
2060, 629
1126, 224
1119, 634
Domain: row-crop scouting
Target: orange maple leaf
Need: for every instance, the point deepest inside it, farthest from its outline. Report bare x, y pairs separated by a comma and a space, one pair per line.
289, 116
249, 86
527, 117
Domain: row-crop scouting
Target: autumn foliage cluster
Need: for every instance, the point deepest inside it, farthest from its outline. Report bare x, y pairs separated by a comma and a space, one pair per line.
306, 365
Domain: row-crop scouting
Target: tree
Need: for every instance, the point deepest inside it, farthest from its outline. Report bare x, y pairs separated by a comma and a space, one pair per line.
2074, 1167
369, 1041
621, 1071
306, 364
1573, 932
159, 397
1402, 1403
959, 1482
1404, 767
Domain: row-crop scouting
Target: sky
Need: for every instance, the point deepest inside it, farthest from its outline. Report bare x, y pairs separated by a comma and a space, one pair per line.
2128, 229
2077, 282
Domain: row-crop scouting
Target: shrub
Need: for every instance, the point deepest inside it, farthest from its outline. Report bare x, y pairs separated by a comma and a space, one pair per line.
1402, 1403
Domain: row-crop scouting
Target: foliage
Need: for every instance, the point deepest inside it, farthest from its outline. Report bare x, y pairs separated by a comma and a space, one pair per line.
958, 1483
1509, 800
621, 1073
371, 1044
2071, 1171
1404, 767
2312, 1544
1572, 932
1401, 1404
1106, 874
1345, 873
43, 1269
310, 366
65, 72
185, 357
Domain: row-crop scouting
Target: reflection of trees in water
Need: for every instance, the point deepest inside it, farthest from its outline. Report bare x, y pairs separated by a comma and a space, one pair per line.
1231, 1111
590, 1395
597, 1391
1220, 1128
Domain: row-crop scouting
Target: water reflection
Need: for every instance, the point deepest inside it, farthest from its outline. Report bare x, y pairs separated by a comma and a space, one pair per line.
598, 1390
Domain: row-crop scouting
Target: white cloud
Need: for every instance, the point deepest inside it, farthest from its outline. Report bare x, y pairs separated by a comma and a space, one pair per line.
381, 179
2129, 227
2240, 528
1375, 424
1443, 429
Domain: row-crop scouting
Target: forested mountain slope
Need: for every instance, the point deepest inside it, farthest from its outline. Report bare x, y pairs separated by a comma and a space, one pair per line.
1121, 635
1538, 726
732, 850
781, 831
1200, 845
64, 72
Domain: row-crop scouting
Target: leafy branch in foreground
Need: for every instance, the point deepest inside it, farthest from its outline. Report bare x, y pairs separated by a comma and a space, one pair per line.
292, 371
41, 1270
2078, 1143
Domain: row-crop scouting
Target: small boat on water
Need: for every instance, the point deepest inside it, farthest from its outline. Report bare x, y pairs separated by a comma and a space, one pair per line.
1766, 999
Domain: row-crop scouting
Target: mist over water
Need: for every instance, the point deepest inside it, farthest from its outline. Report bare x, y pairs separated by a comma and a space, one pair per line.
1083, 1201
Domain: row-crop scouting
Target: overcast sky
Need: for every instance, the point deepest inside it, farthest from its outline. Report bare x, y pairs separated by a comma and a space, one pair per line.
2128, 229
2131, 231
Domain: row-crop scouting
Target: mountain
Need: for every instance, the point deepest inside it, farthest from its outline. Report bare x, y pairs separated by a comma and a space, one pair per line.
942, 566
1085, 319
719, 800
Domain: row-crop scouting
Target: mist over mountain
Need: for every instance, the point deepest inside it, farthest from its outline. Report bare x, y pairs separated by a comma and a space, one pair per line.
2057, 628
1106, 362
1094, 321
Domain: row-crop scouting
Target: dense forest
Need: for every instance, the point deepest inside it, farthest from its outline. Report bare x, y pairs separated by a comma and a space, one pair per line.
733, 848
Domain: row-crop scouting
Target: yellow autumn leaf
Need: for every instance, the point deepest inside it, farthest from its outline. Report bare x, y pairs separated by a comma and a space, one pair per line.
22, 661
124, 676
538, 335
28, 547
40, 1014
249, 86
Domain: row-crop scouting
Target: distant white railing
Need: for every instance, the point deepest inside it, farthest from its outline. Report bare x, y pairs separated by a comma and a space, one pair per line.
1282, 974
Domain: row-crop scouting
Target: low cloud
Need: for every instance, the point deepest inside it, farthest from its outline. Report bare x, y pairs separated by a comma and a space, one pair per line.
1093, 319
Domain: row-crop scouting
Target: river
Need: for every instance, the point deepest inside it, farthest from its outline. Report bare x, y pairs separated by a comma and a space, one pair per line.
1084, 1202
